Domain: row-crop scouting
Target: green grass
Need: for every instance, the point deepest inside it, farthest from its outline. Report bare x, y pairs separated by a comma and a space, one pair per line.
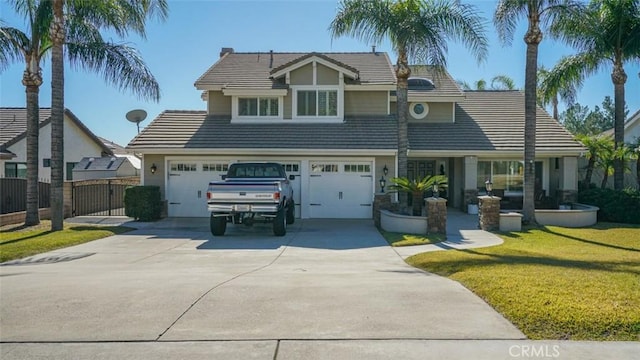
17, 241
555, 283
398, 239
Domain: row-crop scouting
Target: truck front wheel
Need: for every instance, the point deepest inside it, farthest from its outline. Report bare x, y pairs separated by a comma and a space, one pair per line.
218, 225
280, 223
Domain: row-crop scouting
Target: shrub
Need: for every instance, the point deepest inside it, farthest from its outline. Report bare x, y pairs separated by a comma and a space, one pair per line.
615, 206
143, 203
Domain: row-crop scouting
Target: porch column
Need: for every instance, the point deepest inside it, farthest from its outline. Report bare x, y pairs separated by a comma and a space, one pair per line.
470, 195
568, 191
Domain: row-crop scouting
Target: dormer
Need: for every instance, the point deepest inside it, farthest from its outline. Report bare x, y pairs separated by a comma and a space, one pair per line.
311, 87
432, 95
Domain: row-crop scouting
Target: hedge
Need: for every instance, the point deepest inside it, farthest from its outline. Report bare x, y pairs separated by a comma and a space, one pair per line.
615, 206
143, 203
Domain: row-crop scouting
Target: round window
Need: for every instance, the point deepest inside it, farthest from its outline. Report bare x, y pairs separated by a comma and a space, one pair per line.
419, 110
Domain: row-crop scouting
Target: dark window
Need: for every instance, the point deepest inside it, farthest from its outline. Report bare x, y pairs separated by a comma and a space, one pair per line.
15, 170
46, 163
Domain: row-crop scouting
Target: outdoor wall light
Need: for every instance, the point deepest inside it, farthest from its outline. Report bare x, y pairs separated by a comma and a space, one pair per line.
153, 168
383, 183
488, 185
385, 170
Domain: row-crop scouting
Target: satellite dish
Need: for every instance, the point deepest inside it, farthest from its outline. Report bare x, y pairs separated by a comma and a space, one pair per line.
137, 116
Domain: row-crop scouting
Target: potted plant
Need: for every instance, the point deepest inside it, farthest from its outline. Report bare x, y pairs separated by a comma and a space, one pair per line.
417, 188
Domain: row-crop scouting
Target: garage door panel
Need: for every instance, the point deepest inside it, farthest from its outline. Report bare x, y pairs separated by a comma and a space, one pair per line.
340, 190
187, 186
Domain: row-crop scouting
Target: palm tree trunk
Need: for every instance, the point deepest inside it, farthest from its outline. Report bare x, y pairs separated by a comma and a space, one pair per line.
638, 171
619, 78
57, 117
32, 79
33, 128
590, 165
605, 178
402, 94
417, 203
532, 39
554, 103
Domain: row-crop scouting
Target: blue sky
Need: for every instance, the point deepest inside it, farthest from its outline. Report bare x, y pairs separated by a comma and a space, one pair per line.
180, 49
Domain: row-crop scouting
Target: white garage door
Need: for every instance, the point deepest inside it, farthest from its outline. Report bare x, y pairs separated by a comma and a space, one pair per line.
187, 186
340, 189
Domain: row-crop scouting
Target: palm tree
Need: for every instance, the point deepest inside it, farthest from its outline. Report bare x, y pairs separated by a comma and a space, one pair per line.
418, 31
417, 188
606, 33
29, 47
498, 82
608, 155
594, 146
120, 64
547, 94
537, 13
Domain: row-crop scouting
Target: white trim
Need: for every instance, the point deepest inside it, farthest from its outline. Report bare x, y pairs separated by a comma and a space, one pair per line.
314, 58
415, 114
216, 87
332, 119
370, 87
388, 103
315, 73
254, 92
491, 153
270, 151
453, 111
236, 118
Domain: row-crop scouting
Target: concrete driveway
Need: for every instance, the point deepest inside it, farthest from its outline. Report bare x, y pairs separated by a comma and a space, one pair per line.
172, 281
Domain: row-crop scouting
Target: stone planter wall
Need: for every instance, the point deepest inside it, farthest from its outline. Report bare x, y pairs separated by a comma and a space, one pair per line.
393, 222
580, 215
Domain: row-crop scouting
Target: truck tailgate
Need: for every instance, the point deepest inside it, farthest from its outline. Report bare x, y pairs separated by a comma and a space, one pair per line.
242, 192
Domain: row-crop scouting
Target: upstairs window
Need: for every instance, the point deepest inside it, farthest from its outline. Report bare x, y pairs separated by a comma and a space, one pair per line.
317, 103
258, 106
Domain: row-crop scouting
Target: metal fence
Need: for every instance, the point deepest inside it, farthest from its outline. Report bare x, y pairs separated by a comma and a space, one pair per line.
103, 197
13, 195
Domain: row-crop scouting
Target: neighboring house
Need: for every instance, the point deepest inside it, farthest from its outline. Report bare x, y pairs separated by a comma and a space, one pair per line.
79, 142
330, 119
120, 151
104, 167
631, 136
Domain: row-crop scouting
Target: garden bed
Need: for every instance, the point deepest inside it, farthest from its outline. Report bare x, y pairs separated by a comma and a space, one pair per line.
398, 223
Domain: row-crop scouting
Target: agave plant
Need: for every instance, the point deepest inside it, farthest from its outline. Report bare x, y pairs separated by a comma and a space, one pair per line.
417, 188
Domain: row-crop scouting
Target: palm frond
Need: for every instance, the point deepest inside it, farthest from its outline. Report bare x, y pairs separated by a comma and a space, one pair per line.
502, 82
13, 43
506, 17
120, 65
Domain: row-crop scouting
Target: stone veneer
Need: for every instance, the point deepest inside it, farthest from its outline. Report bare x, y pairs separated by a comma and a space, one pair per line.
436, 215
489, 212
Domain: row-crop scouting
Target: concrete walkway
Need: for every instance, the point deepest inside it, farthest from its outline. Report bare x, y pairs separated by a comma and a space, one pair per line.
462, 233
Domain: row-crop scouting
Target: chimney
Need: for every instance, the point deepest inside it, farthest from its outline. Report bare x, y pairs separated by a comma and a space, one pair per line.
373, 49
270, 59
226, 50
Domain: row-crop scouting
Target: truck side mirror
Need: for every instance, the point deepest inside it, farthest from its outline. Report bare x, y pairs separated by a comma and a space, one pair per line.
292, 177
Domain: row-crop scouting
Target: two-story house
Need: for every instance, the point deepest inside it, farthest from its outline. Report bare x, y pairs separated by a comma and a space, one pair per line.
330, 119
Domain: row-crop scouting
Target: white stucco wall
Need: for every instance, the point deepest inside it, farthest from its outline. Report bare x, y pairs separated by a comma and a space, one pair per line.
76, 146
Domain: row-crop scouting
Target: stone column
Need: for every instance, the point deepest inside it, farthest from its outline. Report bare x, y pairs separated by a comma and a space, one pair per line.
489, 212
381, 201
436, 215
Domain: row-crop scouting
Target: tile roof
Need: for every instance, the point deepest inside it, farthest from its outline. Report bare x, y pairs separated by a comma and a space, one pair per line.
13, 122
252, 70
13, 125
312, 54
196, 130
443, 82
491, 120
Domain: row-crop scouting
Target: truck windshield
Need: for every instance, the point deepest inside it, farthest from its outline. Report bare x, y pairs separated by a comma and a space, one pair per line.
253, 171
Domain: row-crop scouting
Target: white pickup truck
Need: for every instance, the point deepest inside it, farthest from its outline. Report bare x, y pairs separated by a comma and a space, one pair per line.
249, 193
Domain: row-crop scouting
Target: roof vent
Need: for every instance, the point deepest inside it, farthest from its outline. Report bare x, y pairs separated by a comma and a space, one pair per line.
226, 50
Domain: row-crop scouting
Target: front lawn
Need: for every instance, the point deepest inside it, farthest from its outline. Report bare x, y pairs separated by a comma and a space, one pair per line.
398, 239
555, 283
17, 242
